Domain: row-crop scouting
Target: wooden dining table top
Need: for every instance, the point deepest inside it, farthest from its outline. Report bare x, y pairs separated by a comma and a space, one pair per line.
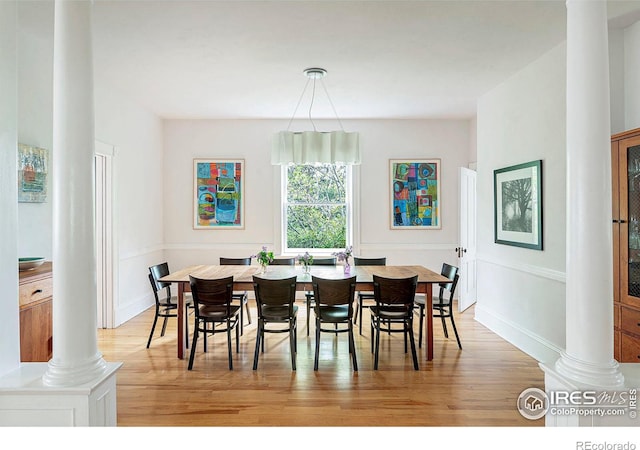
243, 280
243, 275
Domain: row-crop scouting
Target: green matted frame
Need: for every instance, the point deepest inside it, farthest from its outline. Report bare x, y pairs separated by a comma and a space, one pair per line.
517, 192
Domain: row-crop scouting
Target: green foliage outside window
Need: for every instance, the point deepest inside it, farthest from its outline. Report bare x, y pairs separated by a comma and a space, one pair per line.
316, 206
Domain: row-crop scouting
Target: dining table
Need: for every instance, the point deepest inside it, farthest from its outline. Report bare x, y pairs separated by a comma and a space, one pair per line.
243, 281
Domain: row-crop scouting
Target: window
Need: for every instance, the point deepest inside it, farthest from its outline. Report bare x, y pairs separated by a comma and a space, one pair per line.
316, 207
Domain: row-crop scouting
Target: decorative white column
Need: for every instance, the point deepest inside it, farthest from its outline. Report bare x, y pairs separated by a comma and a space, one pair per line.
75, 355
587, 363
588, 358
77, 387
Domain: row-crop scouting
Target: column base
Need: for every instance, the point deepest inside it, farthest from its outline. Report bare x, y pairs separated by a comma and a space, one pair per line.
72, 375
572, 403
25, 400
584, 374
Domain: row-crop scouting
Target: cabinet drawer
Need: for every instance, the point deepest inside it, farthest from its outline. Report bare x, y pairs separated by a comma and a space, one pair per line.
630, 348
35, 291
630, 320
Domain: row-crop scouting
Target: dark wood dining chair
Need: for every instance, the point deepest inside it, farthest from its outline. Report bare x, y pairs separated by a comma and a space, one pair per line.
213, 303
442, 304
275, 299
166, 305
334, 305
330, 261
283, 262
240, 297
365, 299
394, 305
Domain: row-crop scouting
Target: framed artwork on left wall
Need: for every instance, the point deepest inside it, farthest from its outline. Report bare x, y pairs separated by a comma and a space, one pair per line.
218, 190
33, 168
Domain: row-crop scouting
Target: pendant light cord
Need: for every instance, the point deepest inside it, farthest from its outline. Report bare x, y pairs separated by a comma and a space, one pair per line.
331, 103
313, 96
298, 105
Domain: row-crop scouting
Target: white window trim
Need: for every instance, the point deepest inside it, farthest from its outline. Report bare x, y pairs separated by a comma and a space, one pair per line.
353, 221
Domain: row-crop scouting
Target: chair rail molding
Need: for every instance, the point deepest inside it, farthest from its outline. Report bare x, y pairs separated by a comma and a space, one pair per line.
530, 269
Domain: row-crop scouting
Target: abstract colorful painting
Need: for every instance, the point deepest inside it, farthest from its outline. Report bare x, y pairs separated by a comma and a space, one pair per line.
218, 191
415, 194
33, 166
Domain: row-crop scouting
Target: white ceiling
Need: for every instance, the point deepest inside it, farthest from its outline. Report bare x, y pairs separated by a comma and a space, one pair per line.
385, 59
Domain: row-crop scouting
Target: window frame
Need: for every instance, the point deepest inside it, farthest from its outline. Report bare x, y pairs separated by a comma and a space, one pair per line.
349, 203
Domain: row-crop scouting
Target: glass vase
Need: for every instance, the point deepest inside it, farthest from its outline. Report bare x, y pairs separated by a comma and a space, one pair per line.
263, 267
307, 268
347, 268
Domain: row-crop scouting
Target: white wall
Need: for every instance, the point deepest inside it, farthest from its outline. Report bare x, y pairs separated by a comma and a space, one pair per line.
139, 200
9, 317
521, 292
250, 140
632, 76
35, 118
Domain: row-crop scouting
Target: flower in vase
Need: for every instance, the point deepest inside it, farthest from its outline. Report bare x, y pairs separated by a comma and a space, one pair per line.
305, 260
344, 255
264, 256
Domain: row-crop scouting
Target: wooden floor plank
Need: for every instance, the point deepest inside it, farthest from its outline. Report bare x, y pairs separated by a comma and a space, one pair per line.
476, 386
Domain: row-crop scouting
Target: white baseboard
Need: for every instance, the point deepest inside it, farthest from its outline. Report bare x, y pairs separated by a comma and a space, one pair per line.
530, 343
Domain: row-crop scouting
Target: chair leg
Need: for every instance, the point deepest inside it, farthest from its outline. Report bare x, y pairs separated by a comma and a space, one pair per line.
292, 345
153, 327
259, 337
241, 318
355, 312
455, 331
229, 345
204, 341
246, 305
193, 345
420, 325
405, 340
317, 353
360, 309
237, 338
352, 344
308, 314
444, 325
186, 327
375, 363
164, 325
409, 326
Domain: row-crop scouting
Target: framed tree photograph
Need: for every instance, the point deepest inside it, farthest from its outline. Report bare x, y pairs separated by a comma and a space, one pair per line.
415, 194
218, 189
518, 205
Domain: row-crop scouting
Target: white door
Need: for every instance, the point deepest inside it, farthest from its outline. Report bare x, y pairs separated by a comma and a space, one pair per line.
104, 234
467, 240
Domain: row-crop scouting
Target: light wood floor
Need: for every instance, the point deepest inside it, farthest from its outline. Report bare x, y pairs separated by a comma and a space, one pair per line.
477, 386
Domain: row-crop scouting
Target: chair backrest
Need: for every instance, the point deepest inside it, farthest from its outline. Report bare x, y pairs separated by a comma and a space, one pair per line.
334, 292
357, 261
155, 273
274, 292
283, 262
235, 261
450, 272
395, 291
211, 292
324, 261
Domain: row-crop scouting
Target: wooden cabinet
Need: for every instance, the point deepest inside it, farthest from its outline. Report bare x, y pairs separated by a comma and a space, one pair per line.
36, 329
625, 165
